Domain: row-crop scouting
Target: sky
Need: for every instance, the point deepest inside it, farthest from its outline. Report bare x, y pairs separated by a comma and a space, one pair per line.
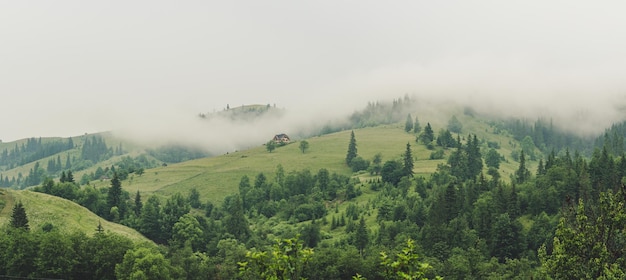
149, 67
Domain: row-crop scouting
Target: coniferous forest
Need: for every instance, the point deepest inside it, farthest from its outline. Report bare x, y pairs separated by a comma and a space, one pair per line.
562, 219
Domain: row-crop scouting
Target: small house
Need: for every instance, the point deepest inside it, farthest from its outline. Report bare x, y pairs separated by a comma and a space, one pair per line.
281, 139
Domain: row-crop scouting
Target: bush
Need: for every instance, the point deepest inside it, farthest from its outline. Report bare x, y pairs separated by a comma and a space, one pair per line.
438, 154
358, 164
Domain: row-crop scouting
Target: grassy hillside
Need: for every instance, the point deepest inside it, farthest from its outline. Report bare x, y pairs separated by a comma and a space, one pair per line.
217, 177
62, 214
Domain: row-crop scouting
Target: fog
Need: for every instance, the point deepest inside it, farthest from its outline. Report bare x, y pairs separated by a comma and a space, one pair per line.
146, 69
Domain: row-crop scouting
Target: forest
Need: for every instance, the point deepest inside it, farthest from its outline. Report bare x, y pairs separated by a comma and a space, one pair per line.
563, 220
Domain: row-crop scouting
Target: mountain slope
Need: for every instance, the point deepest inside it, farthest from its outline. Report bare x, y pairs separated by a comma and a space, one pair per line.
62, 214
216, 177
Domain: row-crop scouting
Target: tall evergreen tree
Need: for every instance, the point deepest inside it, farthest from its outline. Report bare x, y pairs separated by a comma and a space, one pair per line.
428, 135
114, 195
408, 161
68, 164
138, 204
522, 174
150, 220
416, 126
455, 125
19, 219
352, 151
236, 223
408, 125
474, 158
361, 236
70, 177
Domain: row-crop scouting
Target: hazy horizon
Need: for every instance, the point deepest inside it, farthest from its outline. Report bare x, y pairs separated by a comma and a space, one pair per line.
149, 67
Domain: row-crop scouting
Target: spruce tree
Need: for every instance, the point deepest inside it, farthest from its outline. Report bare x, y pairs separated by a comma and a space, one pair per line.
236, 223
416, 126
522, 174
408, 161
428, 135
70, 177
474, 158
408, 125
361, 237
352, 151
114, 195
19, 219
138, 204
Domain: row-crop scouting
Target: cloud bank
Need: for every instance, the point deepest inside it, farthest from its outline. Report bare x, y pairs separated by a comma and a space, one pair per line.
147, 68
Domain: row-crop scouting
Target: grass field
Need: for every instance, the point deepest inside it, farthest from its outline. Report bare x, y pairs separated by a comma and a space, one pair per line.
217, 177
63, 214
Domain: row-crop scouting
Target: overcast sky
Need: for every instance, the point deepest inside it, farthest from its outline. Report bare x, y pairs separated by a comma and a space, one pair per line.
70, 67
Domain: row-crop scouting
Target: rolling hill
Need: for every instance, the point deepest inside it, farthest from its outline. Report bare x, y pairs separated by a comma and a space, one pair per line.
216, 177
63, 214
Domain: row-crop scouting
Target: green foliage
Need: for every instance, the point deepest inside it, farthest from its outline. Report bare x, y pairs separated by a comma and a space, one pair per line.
236, 222
466, 162
392, 171
358, 163
194, 199
493, 158
361, 236
304, 145
352, 150
528, 147
405, 265
377, 113
144, 263
95, 149
455, 125
407, 167
416, 126
287, 260
589, 244
19, 220
150, 220
114, 197
438, 154
522, 174
445, 139
270, 146
427, 135
408, 124
177, 153
34, 150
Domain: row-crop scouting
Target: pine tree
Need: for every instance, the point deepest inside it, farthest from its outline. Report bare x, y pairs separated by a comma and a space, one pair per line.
408, 161
236, 222
361, 237
63, 178
416, 126
474, 158
522, 174
428, 135
352, 150
19, 219
138, 204
68, 165
408, 125
70, 176
114, 195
